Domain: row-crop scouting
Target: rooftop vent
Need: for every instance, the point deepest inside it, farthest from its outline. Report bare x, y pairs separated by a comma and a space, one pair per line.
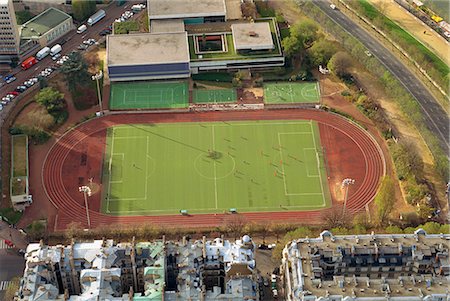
252, 34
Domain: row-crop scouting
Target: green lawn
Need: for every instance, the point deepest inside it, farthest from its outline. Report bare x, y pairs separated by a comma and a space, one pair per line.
281, 93
215, 96
148, 95
19, 167
212, 167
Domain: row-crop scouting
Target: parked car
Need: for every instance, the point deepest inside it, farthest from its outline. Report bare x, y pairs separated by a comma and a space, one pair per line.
56, 56
10, 79
21, 89
1, 107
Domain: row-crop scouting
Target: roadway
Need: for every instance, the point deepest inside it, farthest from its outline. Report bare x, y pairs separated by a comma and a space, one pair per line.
436, 119
72, 41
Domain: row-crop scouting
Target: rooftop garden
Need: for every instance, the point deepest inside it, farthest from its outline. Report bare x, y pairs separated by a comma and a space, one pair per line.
231, 52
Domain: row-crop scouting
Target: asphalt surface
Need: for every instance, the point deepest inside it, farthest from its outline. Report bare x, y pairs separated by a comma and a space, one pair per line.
11, 265
435, 117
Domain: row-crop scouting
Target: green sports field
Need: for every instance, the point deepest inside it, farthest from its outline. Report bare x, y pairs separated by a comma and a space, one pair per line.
212, 167
214, 96
282, 93
148, 95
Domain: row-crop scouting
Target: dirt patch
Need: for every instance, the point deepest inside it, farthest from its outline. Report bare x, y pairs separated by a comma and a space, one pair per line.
27, 117
415, 27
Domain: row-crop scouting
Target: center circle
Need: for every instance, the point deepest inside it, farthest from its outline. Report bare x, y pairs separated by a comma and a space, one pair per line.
214, 166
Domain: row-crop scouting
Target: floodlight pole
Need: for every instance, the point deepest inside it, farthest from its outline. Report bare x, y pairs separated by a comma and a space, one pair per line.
97, 77
85, 190
345, 183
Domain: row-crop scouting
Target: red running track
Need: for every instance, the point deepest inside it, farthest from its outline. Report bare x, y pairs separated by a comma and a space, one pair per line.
72, 210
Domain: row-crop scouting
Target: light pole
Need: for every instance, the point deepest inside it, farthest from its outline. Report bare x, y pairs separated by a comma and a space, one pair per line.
345, 183
98, 77
86, 192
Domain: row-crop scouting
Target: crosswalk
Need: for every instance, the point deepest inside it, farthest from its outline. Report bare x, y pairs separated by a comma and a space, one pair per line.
4, 285
3, 245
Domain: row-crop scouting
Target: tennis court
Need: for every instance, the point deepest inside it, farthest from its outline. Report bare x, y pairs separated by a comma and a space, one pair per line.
148, 95
212, 167
215, 96
282, 93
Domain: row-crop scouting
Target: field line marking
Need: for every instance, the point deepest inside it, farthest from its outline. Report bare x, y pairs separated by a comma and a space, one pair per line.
215, 168
110, 171
282, 165
318, 165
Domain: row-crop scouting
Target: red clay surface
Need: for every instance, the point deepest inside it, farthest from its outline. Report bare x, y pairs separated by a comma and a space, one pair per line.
76, 158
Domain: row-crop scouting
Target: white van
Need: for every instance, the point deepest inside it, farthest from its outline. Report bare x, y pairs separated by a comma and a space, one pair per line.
82, 29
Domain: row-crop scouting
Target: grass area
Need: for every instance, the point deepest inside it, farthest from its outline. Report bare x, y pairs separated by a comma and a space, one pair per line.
213, 76
12, 216
126, 27
19, 156
279, 93
148, 95
231, 52
404, 38
212, 167
215, 96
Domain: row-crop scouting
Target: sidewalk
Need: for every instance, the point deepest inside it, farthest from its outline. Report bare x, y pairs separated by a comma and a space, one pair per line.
13, 235
416, 28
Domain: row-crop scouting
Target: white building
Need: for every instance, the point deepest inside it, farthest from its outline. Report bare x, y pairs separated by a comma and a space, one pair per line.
382, 267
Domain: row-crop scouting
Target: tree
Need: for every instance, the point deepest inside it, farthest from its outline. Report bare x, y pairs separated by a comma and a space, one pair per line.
301, 36
51, 99
333, 218
394, 230
385, 199
340, 64
431, 228
321, 52
40, 119
75, 70
83, 9
235, 224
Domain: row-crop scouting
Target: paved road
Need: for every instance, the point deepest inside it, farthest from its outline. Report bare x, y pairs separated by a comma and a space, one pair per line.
436, 118
12, 265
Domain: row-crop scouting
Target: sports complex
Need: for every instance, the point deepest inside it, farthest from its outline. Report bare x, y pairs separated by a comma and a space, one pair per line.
281, 165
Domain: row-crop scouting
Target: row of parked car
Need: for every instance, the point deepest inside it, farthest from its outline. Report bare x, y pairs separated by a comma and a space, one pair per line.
125, 16
85, 45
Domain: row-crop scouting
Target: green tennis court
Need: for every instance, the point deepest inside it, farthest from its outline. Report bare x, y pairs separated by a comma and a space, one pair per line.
215, 96
281, 93
148, 95
212, 167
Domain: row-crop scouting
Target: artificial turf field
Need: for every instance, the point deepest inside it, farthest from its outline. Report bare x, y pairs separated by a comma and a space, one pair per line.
148, 95
214, 96
281, 93
212, 167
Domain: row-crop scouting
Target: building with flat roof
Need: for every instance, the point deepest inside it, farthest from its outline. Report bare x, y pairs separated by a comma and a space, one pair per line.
376, 267
9, 32
147, 56
141, 271
169, 25
252, 36
192, 11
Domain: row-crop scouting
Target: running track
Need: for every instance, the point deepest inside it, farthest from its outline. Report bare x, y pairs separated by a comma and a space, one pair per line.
70, 210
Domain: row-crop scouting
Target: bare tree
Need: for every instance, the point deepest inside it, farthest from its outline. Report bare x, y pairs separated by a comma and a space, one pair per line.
234, 224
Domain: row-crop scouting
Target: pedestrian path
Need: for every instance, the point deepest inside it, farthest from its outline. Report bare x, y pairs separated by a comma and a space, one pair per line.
3, 245
4, 285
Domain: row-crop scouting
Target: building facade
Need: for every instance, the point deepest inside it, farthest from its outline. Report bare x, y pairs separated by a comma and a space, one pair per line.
141, 271
45, 29
384, 267
9, 32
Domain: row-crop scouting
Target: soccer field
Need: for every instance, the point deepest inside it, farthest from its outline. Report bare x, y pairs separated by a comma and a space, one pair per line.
148, 95
214, 96
281, 93
212, 167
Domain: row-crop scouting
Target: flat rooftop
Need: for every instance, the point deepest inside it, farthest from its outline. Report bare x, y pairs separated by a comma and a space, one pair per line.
169, 25
255, 36
147, 48
366, 265
170, 9
43, 22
